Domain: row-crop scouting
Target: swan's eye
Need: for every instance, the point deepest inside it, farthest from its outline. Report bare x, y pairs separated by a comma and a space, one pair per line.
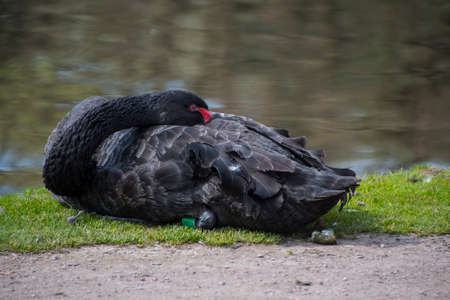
193, 107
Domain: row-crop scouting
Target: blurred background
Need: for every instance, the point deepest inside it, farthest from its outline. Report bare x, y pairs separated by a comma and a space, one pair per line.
368, 81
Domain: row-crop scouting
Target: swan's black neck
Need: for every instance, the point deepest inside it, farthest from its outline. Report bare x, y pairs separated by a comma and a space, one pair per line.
69, 169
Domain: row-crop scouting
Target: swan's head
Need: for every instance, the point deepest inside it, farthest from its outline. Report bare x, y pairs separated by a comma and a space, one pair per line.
181, 107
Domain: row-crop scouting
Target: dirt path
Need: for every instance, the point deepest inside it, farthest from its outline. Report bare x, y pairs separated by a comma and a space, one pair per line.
380, 267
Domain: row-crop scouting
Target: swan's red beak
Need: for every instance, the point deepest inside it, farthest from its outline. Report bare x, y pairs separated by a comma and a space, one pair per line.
205, 113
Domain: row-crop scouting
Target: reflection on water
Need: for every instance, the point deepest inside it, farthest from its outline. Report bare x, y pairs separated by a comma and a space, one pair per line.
365, 80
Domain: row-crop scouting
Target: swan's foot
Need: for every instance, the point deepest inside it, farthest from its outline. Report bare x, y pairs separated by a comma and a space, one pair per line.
206, 220
73, 219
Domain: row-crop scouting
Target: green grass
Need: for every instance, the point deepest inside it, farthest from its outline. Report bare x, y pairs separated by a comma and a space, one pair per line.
414, 201
393, 203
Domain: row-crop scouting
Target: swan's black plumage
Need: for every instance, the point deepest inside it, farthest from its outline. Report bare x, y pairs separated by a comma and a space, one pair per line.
149, 157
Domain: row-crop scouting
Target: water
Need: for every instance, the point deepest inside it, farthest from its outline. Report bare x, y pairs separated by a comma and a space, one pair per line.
368, 81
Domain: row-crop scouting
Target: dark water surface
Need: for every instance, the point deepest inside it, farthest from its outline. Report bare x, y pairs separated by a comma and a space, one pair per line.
368, 81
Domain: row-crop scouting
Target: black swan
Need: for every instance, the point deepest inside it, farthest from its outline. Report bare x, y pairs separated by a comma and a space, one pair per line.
162, 156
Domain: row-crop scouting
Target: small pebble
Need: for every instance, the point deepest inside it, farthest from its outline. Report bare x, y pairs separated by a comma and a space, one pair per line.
324, 237
301, 282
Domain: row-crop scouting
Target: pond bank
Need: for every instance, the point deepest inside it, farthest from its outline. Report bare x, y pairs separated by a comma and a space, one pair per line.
368, 267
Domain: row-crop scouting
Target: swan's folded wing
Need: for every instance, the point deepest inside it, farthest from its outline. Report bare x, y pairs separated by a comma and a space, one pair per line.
294, 145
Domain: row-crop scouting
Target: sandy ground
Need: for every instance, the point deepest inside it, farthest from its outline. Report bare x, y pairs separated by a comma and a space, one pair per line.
370, 267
